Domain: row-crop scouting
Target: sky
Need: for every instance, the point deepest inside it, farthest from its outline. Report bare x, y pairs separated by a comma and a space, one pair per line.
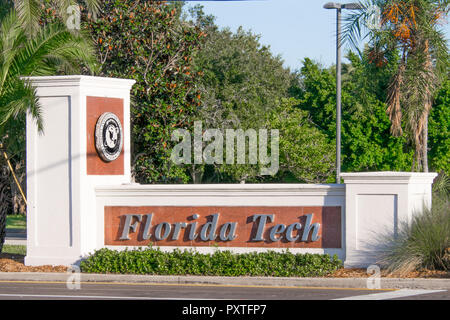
294, 29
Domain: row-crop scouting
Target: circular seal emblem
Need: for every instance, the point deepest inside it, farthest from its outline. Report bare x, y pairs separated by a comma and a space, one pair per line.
108, 137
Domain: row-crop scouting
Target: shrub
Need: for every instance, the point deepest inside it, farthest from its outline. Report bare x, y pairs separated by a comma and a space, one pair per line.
219, 263
424, 242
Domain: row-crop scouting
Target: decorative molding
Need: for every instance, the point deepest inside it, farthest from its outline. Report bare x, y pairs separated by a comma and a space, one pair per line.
388, 177
225, 190
79, 80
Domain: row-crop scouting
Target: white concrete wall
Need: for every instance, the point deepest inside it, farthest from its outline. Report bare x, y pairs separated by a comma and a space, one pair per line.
376, 205
61, 199
226, 195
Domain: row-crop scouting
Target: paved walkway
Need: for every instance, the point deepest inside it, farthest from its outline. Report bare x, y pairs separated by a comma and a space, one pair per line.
142, 291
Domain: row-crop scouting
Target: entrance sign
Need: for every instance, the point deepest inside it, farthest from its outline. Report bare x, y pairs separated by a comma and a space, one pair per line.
81, 197
275, 227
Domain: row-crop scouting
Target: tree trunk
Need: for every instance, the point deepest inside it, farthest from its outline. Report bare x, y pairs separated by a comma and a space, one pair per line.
425, 145
431, 81
17, 200
5, 201
196, 174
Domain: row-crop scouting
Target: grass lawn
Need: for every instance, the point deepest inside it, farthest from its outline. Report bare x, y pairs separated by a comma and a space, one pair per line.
16, 221
14, 249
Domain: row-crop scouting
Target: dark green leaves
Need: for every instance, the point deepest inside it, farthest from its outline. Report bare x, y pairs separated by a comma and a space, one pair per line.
219, 263
148, 42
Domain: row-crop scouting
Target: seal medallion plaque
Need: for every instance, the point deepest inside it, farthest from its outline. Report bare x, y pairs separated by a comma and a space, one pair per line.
108, 137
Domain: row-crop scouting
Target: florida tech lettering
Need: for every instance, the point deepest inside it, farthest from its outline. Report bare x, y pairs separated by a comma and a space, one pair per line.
299, 227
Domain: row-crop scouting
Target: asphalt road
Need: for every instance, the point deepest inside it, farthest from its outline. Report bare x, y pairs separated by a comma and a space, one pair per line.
123, 301
29, 290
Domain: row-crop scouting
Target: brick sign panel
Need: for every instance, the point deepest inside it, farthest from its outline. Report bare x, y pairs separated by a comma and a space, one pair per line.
96, 106
274, 227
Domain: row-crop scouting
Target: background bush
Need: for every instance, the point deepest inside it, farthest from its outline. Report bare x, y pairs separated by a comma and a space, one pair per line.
219, 263
424, 243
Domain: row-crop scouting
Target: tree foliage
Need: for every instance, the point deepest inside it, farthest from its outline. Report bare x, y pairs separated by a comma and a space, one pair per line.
242, 84
411, 28
439, 131
29, 12
305, 152
241, 75
148, 42
366, 141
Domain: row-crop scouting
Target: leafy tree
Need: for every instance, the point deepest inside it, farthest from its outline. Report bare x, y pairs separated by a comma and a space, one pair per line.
368, 145
410, 27
439, 131
305, 155
241, 74
305, 151
242, 82
149, 42
316, 94
366, 141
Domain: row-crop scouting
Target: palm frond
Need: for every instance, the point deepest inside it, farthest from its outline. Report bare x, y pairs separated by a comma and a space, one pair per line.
11, 38
52, 49
29, 12
20, 99
355, 27
54, 41
93, 6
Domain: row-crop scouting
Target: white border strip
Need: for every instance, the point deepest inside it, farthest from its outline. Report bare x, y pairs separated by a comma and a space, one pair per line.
46, 296
391, 295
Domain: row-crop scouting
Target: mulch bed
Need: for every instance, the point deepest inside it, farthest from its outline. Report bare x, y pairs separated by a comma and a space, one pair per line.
15, 263
362, 273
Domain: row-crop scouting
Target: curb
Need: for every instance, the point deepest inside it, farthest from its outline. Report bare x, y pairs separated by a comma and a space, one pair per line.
349, 283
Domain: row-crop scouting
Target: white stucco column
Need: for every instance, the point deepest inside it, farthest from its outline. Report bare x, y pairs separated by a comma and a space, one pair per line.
376, 205
63, 166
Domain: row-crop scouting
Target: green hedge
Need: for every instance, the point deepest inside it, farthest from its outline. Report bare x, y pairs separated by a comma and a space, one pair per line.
219, 263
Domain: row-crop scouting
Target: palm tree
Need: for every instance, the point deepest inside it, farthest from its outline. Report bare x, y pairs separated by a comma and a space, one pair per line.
411, 28
29, 12
53, 49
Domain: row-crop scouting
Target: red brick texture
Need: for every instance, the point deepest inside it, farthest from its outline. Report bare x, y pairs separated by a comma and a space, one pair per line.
329, 218
95, 107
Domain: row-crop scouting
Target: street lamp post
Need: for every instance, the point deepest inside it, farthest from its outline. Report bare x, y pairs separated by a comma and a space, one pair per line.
339, 7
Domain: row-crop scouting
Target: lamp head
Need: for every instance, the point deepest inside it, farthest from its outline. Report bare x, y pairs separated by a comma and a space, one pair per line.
349, 6
332, 5
353, 6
